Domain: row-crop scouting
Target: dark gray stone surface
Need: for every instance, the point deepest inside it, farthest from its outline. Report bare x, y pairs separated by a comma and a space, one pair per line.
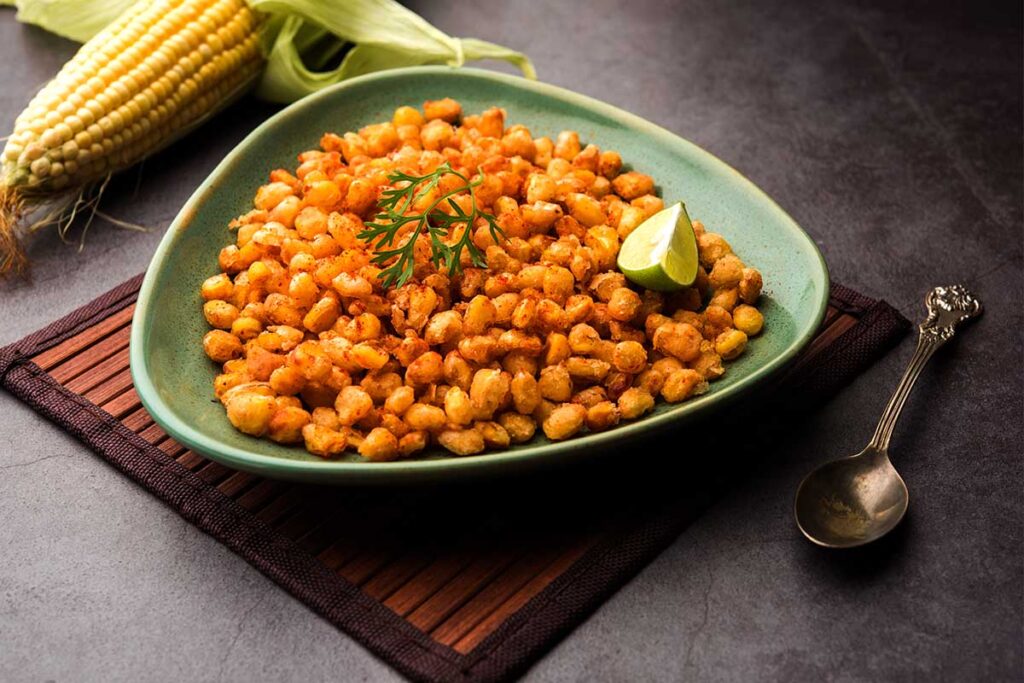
890, 131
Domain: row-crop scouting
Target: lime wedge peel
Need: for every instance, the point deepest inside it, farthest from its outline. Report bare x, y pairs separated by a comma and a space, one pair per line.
661, 254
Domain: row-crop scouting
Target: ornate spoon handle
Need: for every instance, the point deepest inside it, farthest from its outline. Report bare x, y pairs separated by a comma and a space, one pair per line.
947, 308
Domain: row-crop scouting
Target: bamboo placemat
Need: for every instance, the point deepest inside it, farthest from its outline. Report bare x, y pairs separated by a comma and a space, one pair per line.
468, 582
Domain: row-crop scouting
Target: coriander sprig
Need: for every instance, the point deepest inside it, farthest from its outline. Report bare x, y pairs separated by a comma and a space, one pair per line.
405, 191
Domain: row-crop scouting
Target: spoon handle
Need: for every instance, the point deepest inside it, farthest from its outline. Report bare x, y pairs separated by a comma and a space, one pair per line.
947, 308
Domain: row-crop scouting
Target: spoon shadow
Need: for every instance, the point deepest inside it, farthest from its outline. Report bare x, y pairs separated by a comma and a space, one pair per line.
863, 563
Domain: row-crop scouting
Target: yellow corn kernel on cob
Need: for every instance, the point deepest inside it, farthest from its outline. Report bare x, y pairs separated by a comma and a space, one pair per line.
157, 70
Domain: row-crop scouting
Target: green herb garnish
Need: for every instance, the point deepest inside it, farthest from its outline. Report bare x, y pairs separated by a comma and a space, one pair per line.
392, 217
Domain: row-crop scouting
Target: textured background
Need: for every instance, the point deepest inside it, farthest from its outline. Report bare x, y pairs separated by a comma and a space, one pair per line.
890, 131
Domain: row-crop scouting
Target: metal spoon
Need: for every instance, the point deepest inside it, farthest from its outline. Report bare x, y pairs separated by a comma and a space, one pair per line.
855, 500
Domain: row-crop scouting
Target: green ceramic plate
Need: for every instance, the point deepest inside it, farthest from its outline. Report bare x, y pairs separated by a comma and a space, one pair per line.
174, 378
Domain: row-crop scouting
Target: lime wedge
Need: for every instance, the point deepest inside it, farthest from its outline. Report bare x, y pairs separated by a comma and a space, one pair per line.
661, 254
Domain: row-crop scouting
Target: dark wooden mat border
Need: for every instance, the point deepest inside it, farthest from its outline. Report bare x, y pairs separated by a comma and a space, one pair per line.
524, 636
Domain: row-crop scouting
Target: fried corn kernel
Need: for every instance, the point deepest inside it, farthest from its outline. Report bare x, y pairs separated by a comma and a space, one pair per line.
363, 327
462, 441
504, 306
579, 308
730, 344
379, 445
407, 116
443, 328
423, 417
716, 320
250, 412
426, 369
650, 380
325, 417
399, 400
494, 434
323, 441
220, 314
520, 428
246, 328
609, 164
555, 384
587, 369
515, 362
517, 341
564, 421
635, 402
352, 405
709, 363
539, 187
311, 360
381, 385
545, 330
479, 315
222, 346
649, 204
747, 320
369, 356
585, 209
590, 396
567, 145
723, 298
616, 383
457, 371
680, 340
710, 248
287, 381
322, 315
629, 220
393, 424
558, 283
750, 285
629, 356
525, 393
447, 110
217, 287
261, 363
487, 392
412, 443
726, 272
602, 415
229, 380
631, 185
624, 304
583, 339
556, 349
287, 423
458, 407
681, 384
478, 349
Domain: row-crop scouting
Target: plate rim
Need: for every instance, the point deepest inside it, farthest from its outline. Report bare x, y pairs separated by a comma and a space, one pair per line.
341, 472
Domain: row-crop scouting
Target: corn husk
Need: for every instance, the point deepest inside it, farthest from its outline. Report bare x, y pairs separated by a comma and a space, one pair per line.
76, 20
303, 36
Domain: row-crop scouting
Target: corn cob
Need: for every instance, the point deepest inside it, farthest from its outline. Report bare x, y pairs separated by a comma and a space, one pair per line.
158, 70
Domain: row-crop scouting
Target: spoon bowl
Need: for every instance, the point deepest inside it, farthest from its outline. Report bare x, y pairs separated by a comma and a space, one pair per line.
852, 501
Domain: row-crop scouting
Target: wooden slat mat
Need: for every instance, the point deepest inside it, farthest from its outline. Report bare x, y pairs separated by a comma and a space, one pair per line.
470, 581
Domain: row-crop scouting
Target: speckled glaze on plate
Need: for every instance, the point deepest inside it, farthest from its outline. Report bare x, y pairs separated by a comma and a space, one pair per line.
174, 378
